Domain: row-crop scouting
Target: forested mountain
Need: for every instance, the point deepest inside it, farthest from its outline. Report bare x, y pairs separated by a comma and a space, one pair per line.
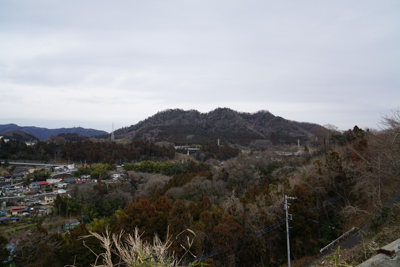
43, 133
19, 136
182, 127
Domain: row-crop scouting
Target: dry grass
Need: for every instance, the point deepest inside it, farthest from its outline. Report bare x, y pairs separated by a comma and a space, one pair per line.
132, 251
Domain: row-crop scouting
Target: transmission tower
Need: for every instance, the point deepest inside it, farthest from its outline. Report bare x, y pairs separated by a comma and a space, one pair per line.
112, 133
288, 217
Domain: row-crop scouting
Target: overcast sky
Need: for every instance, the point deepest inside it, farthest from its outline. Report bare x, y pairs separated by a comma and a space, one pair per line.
92, 63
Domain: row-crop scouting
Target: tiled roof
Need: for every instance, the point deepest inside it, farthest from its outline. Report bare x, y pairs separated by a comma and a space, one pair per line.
17, 208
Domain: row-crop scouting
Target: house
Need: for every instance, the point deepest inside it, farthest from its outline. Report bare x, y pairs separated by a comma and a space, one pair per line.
78, 181
34, 211
18, 210
52, 181
43, 184
34, 185
59, 169
68, 224
62, 191
49, 199
30, 143
37, 210
115, 176
18, 175
85, 177
69, 180
9, 189
62, 185
4, 219
23, 170
71, 166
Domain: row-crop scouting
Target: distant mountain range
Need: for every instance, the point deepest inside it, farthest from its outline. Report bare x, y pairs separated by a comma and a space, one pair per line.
44, 133
183, 127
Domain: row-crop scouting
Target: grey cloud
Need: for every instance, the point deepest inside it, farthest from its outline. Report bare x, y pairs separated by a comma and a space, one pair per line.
341, 55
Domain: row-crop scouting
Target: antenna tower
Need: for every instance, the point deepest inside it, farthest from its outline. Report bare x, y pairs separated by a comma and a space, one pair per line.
112, 133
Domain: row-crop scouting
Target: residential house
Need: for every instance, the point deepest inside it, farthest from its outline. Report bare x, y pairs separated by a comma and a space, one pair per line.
23, 170
52, 181
69, 180
34, 211
62, 191
18, 210
34, 185
62, 185
49, 199
43, 184
9, 189
18, 175
30, 143
37, 210
68, 224
71, 166
115, 176
4, 219
85, 177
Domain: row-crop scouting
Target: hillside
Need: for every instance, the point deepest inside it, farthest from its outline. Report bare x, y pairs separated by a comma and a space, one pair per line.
182, 127
19, 136
43, 133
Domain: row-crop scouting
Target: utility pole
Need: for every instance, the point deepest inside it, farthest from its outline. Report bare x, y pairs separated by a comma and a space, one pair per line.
288, 217
379, 169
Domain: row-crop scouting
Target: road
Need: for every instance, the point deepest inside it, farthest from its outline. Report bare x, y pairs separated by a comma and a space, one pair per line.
356, 239
34, 164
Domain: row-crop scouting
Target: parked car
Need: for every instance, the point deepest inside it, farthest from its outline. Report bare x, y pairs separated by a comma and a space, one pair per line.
25, 213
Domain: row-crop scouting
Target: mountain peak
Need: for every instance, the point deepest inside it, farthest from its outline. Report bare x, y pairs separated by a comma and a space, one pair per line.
182, 127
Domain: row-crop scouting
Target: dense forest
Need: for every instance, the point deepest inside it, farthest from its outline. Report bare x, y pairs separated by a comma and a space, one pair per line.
81, 151
228, 214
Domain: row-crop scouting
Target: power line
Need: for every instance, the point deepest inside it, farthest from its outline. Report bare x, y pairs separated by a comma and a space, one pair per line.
262, 232
282, 233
